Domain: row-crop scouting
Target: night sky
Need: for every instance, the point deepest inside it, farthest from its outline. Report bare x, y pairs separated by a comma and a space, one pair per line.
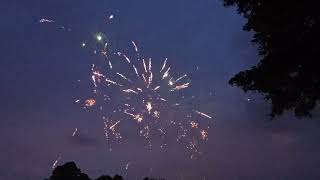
41, 63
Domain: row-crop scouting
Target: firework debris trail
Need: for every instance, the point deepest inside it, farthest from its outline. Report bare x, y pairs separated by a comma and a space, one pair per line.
45, 20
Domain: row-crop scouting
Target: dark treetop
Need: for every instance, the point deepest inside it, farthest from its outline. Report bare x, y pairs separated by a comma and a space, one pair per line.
70, 171
287, 35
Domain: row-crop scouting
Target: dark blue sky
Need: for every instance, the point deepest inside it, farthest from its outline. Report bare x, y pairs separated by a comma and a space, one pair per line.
41, 63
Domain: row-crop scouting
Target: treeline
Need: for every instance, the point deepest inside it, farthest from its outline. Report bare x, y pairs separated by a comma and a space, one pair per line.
70, 171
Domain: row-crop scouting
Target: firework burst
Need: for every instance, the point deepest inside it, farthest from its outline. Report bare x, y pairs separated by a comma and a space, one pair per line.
146, 94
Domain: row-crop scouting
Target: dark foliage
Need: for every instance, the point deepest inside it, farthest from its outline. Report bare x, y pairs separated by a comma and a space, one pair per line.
151, 179
287, 35
70, 171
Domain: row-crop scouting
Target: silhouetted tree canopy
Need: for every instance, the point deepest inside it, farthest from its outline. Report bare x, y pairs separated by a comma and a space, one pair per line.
70, 171
287, 35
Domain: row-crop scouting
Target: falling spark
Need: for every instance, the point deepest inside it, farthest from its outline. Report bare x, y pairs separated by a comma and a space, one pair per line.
135, 46
44, 20
166, 74
144, 65
74, 132
97, 73
123, 76
149, 107
111, 16
137, 117
156, 88
110, 65
181, 77
56, 161
94, 80
144, 78
203, 114
150, 78
179, 87
135, 70
127, 165
130, 91
111, 127
113, 82
150, 64
164, 65
76, 101
162, 99
128, 60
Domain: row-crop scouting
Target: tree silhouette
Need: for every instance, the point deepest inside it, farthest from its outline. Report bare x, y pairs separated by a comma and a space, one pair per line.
70, 171
287, 35
146, 178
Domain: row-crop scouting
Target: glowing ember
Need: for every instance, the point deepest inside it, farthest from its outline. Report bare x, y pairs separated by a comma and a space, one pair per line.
90, 102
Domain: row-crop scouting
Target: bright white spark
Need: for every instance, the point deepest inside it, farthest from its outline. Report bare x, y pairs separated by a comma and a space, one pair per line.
166, 74
203, 114
137, 117
181, 77
128, 60
135, 70
149, 107
170, 82
111, 127
112, 82
144, 78
111, 16
127, 165
156, 88
110, 65
97, 73
150, 78
144, 65
74, 132
156, 114
164, 65
56, 161
94, 80
135, 46
123, 76
76, 101
44, 20
99, 37
150, 64
130, 91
